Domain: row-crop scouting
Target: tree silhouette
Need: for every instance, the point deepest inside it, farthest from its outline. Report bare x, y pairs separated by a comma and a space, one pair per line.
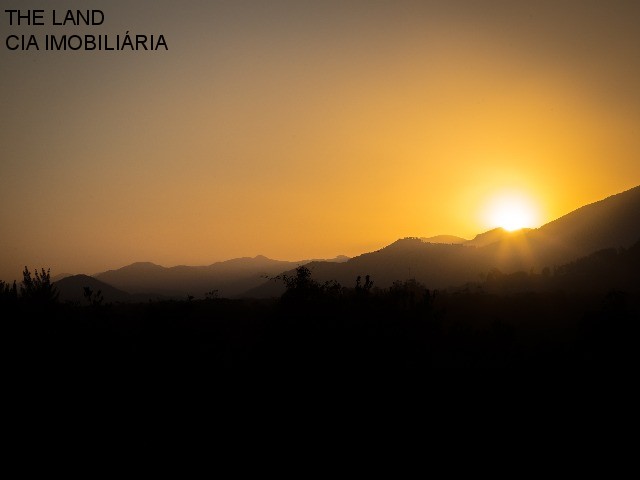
301, 287
94, 299
39, 289
366, 288
8, 293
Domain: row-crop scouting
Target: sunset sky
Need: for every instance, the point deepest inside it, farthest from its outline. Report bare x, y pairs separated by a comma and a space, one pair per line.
308, 129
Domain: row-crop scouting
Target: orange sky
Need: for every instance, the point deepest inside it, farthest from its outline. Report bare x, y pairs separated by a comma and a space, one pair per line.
308, 129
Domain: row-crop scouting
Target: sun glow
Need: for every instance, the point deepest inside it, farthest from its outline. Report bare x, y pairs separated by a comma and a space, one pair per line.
511, 211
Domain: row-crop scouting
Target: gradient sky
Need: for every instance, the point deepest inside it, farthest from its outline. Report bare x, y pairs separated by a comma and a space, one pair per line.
300, 129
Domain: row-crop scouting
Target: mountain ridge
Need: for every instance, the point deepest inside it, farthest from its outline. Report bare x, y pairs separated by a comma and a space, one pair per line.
612, 222
227, 278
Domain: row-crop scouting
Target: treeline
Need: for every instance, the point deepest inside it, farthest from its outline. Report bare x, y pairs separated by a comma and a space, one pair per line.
323, 327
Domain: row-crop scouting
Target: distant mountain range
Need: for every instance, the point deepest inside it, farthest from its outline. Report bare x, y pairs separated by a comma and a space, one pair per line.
145, 280
438, 262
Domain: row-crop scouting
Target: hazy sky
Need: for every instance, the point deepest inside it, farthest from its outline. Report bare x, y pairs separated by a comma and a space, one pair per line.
299, 129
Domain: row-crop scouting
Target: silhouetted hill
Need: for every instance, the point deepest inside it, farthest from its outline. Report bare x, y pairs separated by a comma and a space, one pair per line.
604, 270
452, 239
72, 289
493, 236
601, 272
611, 223
60, 276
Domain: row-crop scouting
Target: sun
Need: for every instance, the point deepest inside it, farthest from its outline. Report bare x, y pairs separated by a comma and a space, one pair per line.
511, 211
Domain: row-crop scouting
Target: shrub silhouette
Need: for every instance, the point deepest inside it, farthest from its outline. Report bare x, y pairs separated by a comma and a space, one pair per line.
212, 294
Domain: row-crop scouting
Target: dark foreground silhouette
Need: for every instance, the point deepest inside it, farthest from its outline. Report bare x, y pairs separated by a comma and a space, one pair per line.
321, 328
